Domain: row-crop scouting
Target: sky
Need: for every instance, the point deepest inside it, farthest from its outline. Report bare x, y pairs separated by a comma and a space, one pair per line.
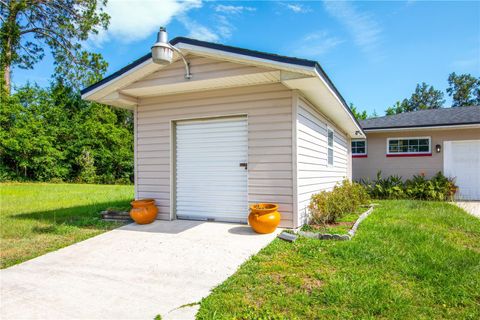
374, 52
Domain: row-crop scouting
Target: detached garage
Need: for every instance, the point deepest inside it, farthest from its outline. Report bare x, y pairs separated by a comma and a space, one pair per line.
220, 128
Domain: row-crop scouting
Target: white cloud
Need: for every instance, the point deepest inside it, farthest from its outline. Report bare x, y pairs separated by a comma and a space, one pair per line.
224, 27
132, 21
365, 30
232, 9
197, 30
316, 44
296, 7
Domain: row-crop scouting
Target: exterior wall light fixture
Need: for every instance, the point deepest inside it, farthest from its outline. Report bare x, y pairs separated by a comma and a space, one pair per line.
162, 52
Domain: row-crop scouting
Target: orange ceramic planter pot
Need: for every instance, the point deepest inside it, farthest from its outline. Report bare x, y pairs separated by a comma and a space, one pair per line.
143, 211
264, 217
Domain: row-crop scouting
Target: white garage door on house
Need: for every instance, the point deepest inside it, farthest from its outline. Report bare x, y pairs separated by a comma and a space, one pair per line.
211, 176
462, 161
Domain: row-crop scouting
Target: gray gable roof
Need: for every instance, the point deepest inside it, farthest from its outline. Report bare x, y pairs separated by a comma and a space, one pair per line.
425, 118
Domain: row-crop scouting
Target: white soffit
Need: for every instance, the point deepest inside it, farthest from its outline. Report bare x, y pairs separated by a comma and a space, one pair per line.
121, 81
320, 95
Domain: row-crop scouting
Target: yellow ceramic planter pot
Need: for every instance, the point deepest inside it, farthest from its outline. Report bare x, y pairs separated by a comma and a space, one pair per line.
264, 217
143, 211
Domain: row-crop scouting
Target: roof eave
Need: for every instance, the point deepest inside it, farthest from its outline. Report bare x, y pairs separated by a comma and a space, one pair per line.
97, 91
424, 127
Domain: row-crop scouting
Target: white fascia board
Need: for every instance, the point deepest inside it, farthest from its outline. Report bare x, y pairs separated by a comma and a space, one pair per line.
447, 127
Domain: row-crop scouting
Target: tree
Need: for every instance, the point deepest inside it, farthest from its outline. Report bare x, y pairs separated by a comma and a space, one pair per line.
358, 115
29, 26
424, 97
464, 90
397, 108
30, 125
51, 134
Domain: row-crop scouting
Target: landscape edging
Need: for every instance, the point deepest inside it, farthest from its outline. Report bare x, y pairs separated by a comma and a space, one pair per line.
329, 236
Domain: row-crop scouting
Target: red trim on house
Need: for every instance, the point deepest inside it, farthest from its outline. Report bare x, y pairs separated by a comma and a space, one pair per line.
392, 155
359, 156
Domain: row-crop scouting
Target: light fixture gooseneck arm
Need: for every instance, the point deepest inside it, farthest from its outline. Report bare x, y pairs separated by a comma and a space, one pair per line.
188, 75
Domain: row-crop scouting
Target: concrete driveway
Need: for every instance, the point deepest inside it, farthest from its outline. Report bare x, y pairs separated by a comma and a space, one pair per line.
472, 207
134, 272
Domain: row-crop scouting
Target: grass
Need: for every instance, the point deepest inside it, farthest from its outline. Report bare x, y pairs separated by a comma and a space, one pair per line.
409, 259
36, 218
342, 226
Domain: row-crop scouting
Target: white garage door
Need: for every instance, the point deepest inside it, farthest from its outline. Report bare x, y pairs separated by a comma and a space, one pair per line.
211, 177
462, 161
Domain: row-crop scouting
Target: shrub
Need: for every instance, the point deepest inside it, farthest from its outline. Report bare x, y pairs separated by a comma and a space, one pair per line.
391, 187
326, 207
438, 188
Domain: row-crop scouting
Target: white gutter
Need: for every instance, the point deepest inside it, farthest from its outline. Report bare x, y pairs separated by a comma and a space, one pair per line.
453, 126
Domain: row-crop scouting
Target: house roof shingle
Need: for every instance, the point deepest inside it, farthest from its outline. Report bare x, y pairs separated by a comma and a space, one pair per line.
425, 118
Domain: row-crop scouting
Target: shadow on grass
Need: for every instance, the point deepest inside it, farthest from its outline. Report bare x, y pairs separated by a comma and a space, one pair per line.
88, 216
79, 216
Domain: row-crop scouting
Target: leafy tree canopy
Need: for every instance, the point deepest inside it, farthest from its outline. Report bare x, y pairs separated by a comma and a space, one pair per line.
51, 134
464, 90
358, 115
424, 97
28, 27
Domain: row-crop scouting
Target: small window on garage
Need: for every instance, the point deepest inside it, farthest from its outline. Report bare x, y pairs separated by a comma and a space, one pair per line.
406, 146
359, 147
330, 146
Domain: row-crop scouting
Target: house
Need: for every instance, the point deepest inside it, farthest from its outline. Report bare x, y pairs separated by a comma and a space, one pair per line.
423, 142
228, 127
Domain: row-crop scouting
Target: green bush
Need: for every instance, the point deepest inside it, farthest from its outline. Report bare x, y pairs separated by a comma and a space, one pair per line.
391, 187
328, 206
439, 187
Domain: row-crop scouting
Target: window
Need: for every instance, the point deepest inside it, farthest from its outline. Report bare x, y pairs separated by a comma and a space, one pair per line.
407, 146
359, 147
330, 147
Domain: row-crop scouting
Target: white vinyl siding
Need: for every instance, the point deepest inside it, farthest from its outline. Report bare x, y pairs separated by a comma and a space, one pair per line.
210, 183
269, 111
314, 174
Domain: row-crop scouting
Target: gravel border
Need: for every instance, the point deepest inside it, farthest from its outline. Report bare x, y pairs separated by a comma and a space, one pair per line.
329, 236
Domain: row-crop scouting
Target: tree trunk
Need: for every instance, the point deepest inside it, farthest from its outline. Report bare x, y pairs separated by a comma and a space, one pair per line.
6, 78
7, 58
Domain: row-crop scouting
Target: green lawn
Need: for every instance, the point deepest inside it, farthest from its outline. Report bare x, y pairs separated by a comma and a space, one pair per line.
409, 260
36, 218
341, 226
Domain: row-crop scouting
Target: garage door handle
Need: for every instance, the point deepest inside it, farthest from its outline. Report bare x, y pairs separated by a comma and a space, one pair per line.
244, 164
